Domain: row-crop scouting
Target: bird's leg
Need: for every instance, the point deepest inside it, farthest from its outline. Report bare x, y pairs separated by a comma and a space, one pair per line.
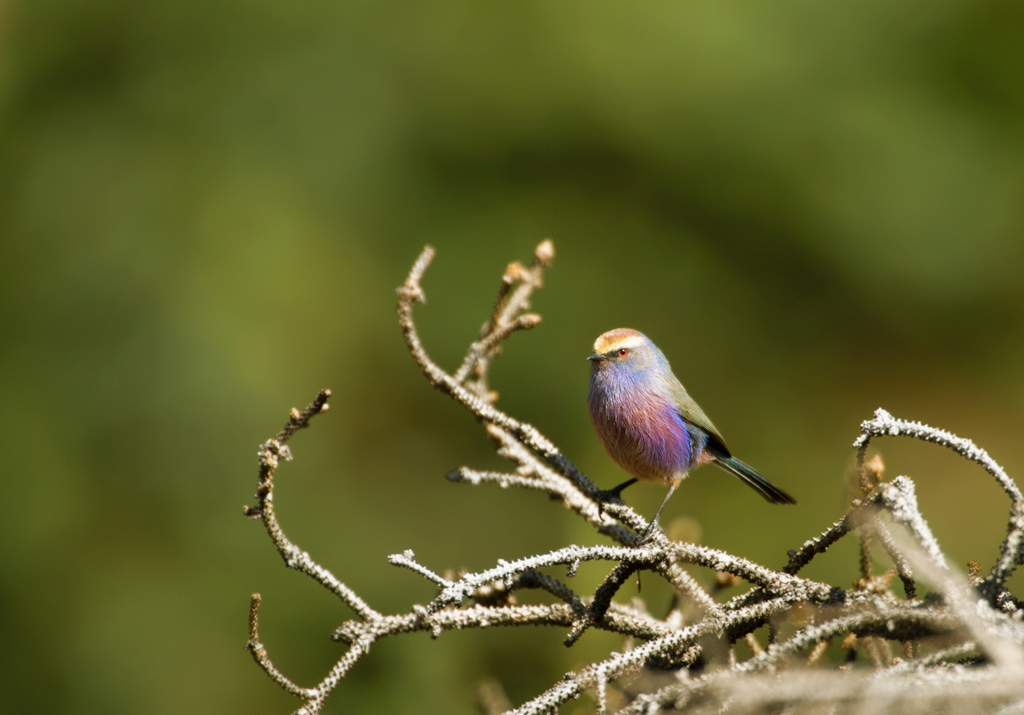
649, 531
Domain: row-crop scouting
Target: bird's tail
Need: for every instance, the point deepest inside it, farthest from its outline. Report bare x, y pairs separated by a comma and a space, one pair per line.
756, 481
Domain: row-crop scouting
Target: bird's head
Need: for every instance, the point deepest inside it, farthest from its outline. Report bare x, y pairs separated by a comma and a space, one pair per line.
624, 349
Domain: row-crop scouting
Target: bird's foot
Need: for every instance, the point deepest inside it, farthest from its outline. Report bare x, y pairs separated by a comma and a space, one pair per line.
653, 532
613, 495
608, 496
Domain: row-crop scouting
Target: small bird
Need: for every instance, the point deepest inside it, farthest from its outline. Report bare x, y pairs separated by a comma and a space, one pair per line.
648, 423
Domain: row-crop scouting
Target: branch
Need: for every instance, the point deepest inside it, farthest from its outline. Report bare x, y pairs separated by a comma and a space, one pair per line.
1012, 549
687, 660
408, 295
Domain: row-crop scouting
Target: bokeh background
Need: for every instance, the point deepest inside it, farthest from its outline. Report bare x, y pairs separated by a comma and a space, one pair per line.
205, 208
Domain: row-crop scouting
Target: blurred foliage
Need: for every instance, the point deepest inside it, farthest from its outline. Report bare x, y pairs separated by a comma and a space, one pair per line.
814, 209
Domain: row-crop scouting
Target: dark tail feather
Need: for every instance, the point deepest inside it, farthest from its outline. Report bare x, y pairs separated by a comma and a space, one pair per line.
759, 483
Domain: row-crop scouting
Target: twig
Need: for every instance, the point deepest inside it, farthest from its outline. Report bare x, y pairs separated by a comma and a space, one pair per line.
1012, 549
410, 293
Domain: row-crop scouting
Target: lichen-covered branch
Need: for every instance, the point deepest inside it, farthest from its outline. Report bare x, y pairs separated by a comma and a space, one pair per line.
705, 655
1011, 551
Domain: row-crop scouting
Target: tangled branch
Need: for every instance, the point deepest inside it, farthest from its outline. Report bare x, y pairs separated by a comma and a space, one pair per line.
962, 646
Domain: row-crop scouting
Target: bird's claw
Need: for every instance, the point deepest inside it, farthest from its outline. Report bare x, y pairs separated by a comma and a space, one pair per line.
653, 532
609, 496
613, 495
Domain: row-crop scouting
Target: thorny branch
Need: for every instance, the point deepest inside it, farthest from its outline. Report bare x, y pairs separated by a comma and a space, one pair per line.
962, 647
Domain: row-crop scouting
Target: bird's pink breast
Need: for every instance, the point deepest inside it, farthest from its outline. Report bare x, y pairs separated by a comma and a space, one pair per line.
641, 430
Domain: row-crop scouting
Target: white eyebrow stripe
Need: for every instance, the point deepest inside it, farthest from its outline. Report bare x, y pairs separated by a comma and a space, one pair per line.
631, 341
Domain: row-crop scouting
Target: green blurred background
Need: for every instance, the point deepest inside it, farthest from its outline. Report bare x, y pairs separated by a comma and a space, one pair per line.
205, 207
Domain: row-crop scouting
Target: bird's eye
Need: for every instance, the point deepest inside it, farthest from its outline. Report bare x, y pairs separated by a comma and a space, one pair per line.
623, 352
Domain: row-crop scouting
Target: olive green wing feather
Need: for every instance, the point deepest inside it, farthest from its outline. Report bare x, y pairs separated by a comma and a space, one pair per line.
691, 412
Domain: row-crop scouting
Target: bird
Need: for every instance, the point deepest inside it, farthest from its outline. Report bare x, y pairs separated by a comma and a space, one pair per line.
649, 424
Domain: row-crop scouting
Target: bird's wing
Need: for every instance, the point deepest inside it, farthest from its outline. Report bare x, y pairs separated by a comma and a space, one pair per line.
691, 412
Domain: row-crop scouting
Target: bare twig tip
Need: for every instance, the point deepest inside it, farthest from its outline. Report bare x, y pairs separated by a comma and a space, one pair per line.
513, 273
545, 252
530, 320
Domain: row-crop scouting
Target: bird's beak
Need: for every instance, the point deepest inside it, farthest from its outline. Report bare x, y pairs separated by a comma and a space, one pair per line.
596, 357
